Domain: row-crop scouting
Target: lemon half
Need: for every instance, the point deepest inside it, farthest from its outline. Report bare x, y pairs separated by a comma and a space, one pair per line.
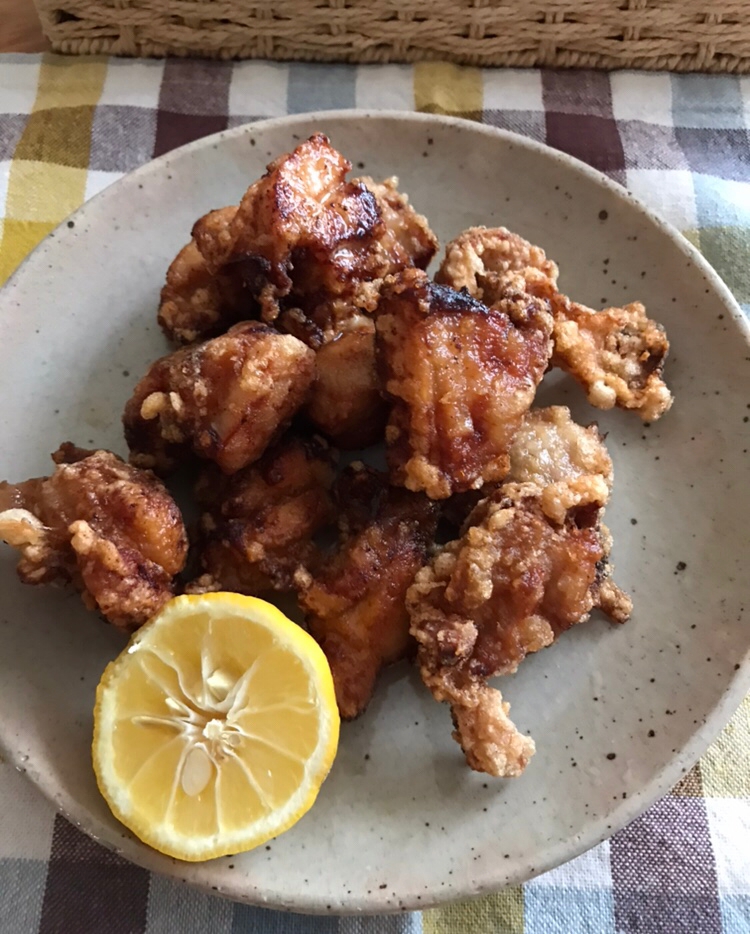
215, 728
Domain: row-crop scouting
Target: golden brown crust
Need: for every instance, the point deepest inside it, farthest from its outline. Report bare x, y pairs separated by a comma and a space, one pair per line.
258, 525
617, 354
197, 303
488, 737
345, 402
310, 246
550, 448
460, 377
109, 529
226, 399
302, 225
354, 604
407, 238
564, 459
486, 262
514, 582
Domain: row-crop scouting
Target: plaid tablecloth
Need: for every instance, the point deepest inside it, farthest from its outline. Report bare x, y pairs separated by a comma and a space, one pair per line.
70, 127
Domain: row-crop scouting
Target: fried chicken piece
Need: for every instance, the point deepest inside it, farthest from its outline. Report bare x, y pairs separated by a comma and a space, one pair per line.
407, 238
109, 529
302, 203
487, 262
403, 239
302, 216
345, 402
197, 303
552, 451
514, 582
306, 238
461, 377
258, 525
617, 354
354, 604
227, 399
562, 458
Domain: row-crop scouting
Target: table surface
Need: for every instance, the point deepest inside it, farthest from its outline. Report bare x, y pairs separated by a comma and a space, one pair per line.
20, 30
69, 127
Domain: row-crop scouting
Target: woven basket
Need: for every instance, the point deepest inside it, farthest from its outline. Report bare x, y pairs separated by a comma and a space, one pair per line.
679, 35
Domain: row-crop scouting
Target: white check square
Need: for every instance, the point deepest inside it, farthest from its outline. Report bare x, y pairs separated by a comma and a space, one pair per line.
385, 87
668, 192
513, 89
588, 871
18, 81
97, 181
642, 97
130, 83
729, 823
258, 89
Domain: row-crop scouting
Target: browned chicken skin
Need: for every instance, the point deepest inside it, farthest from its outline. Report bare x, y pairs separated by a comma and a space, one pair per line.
345, 402
306, 250
258, 525
617, 355
302, 216
515, 581
407, 238
460, 377
226, 399
109, 529
197, 303
304, 233
564, 459
533, 560
486, 262
355, 603
552, 451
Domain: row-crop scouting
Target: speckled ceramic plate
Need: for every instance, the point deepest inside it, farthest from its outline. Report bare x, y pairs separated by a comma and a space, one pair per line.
618, 713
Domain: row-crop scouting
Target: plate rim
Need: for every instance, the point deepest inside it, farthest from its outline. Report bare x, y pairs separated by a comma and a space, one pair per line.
553, 855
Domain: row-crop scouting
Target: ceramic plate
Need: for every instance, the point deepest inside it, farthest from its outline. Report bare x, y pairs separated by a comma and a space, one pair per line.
618, 713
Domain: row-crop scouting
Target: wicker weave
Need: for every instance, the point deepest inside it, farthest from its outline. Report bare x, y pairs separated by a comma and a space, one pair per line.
679, 35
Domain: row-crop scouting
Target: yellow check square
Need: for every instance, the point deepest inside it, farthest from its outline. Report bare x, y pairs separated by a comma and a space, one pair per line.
726, 766
18, 239
43, 192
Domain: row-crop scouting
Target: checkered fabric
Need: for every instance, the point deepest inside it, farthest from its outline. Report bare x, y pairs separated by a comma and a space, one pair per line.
70, 127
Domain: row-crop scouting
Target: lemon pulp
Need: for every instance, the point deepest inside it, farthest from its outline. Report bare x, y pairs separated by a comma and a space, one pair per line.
215, 727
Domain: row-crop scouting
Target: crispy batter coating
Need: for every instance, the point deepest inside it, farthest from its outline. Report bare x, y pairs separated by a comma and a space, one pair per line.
304, 230
303, 202
514, 582
258, 525
226, 399
345, 403
486, 262
561, 457
313, 247
311, 250
407, 238
617, 354
553, 452
354, 604
461, 377
197, 303
109, 529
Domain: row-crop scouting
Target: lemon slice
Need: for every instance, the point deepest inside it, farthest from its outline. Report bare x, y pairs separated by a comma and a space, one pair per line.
215, 728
